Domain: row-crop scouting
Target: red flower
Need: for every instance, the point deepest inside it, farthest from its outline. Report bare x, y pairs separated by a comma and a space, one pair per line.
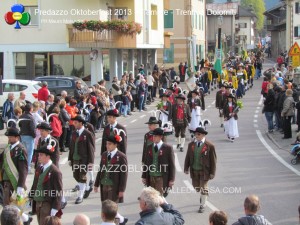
118, 138
116, 111
47, 177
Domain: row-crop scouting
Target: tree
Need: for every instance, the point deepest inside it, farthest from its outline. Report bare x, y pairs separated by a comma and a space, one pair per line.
259, 8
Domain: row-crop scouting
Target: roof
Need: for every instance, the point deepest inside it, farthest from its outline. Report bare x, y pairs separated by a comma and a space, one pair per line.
245, 12
276, 7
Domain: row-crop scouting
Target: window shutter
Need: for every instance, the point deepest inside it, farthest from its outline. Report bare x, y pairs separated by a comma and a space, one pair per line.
168, 19
297, 8
295, 31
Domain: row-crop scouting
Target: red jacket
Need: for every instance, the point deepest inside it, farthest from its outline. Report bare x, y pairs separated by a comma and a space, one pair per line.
56, 126
43, 94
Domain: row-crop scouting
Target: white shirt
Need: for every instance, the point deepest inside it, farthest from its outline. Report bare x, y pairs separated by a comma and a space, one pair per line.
80, 130
46, 138
150, 80
159, 144
37, 118
113, 125
112, 153
47, 165
202, 141
14, 145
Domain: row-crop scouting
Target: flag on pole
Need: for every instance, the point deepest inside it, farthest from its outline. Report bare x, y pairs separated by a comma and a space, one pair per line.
218, 61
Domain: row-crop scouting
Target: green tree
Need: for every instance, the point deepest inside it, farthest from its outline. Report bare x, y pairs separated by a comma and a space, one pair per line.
259, 8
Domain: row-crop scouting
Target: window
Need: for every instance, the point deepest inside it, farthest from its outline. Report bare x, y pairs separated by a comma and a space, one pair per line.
7, 87
242, 25
297, 7
297, 31
169, 19
154, 19
51, 83
118, 13
30, 7
169, 54
64, 83
203, 22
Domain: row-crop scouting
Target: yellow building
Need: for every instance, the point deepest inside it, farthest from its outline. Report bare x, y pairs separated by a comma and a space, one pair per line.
186, 20
50, 45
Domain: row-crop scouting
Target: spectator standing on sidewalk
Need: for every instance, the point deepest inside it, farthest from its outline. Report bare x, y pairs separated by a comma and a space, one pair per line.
269, 105
218, 218
150, 82
287, 114
8, 108
43, 92
20, 102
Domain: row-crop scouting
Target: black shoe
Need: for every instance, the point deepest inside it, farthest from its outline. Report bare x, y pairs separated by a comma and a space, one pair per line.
28, 221
63, 204
222, 125
76, 188
178, 145
87, 193
78, 200
201, 209
124, 222
181, 149
31, 213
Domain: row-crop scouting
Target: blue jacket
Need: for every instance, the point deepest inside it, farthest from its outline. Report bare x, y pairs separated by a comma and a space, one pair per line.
8, 110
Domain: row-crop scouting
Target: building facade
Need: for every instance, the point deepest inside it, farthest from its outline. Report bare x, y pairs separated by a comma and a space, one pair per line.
50, 45
185, 22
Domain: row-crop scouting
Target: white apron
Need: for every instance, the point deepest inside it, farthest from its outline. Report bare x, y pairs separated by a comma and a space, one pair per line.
231, 128
195, 118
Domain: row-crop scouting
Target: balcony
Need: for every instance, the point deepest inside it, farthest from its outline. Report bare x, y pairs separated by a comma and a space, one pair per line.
104, 39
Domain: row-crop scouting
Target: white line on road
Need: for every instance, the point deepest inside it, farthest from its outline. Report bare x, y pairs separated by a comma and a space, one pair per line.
255, 116
98, 139
177, 164
281, 160
208, 106
213, 102
258, 107
142, 116
261, 100
254, 121
62, 162
133, 121
191, 188
256, 111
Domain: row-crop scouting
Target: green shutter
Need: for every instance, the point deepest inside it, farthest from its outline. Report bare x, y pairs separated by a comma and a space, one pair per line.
169, 54
169, 19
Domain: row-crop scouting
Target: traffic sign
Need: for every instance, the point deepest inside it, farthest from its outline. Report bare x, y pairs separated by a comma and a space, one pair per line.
295, 60
294, 50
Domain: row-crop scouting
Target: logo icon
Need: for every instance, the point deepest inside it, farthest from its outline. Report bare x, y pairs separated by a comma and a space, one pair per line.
17, 16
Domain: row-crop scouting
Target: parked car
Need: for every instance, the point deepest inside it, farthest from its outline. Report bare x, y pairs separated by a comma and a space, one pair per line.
58, 83
16, 86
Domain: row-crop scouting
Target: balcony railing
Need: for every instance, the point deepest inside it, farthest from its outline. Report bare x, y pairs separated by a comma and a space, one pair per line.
95, 39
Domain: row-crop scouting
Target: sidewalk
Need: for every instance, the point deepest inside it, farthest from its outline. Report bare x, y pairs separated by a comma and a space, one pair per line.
284, 144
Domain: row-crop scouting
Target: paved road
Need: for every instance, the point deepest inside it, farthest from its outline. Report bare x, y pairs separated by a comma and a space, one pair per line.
252, 164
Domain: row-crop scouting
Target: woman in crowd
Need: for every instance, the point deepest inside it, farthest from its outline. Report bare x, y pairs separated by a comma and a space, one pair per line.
230, 118
287, 114
64, 118
269, 107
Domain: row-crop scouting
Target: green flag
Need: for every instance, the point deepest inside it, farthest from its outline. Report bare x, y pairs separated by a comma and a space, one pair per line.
218, 62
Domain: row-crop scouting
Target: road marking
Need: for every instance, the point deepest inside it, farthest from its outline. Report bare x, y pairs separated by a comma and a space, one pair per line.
208, 106
191, 188
142, 116
62, 162
213, 102
281, 160
261, 100
177, 164
258, 107
98, 139
254, 121
256, 111
133, 121
255, 116
255, 125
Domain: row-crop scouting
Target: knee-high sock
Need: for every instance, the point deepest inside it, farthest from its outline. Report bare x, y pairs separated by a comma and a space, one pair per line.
81, 190
91, 175
182, 142
203, 200
121, 218
24, 217
63, 199
222, 119
178, 140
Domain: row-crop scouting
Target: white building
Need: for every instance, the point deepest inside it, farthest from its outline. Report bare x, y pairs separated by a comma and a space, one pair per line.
50, 45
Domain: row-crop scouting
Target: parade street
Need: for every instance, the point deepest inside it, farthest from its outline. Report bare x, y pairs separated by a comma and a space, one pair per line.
253, 164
